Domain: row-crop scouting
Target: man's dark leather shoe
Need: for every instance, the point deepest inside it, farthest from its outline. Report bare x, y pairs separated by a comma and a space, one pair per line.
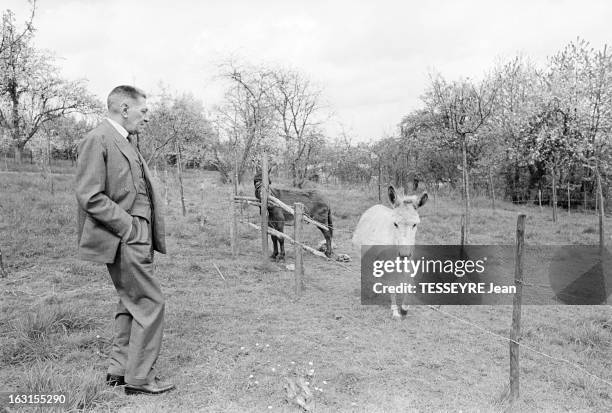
157, 387
114, 380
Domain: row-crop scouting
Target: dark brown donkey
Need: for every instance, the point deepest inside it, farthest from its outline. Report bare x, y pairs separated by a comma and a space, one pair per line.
315, 206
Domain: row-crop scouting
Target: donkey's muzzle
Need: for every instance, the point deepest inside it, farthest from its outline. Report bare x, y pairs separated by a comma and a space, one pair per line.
405, 251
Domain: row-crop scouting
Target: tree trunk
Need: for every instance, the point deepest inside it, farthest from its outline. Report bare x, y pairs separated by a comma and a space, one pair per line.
584, 202
492, 187
14, 96
293, 170
180, 176
379, 173
301, 175
18, 152
569, 201
554, 193
235, 172
466, 190
600, 201
405, 172
3, 273
245, 154
167, 199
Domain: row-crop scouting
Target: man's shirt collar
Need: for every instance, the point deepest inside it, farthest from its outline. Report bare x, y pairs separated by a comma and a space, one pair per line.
119, 128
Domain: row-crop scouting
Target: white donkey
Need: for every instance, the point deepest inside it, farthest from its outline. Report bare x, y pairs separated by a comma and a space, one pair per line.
396, 226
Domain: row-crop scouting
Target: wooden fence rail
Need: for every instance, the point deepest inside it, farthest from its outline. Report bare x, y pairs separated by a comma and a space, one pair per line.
275, 201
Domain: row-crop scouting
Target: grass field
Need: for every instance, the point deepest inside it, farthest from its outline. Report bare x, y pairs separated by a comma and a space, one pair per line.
247, 344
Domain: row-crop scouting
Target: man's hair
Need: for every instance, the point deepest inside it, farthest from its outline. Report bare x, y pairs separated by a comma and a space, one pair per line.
124, 91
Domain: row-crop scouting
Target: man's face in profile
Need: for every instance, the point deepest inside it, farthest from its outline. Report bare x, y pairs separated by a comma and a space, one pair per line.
137, 115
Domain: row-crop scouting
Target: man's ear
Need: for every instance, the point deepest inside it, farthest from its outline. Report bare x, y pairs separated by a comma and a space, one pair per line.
124, 109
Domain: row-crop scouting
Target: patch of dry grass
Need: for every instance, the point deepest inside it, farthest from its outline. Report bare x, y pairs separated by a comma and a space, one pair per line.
83, 387
41, 333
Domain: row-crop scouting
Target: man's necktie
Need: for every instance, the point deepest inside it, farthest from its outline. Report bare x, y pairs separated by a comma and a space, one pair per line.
133, 140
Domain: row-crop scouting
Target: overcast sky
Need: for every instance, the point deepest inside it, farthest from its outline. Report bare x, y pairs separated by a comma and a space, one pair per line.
371, 58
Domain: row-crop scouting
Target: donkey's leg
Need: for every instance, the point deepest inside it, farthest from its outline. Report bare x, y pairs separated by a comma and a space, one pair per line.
274, 245
328, 242
396, 314
280, 227
281, 255
404, 307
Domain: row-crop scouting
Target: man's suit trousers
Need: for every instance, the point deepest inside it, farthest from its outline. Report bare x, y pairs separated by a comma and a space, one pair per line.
140, 312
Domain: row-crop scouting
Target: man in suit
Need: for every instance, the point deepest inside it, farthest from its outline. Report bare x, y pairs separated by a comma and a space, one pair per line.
120, 224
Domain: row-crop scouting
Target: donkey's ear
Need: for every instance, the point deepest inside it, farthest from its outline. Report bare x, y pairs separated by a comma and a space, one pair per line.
392, 195
422, 200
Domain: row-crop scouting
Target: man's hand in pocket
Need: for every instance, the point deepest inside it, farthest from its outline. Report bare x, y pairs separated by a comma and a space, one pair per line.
134, 231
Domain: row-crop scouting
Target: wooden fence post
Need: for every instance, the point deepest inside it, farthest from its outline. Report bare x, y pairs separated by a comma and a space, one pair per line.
234, 226
297, 236
264, 208
516, 309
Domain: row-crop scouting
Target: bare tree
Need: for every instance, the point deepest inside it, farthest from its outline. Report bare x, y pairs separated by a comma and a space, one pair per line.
245, 119
31, 90
298, 104
462, 108
178, 118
